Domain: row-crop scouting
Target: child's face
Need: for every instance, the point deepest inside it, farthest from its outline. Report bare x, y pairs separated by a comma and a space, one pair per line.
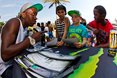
61, 13
97, 16
75, 18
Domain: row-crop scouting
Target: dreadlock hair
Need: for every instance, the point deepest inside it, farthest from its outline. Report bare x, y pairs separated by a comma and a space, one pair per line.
101, 10
61, 7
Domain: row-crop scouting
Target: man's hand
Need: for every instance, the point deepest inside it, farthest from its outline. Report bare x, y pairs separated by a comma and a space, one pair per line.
36, 36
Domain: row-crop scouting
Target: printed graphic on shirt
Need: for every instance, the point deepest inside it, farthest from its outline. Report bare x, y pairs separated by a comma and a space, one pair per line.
75, 33
102, 37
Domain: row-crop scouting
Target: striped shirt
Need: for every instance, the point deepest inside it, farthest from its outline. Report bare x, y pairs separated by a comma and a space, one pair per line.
60, 27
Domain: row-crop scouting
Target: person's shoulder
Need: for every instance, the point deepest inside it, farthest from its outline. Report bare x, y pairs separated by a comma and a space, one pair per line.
82, 25
93, 21
56, 21
66, 19
109, 24
13, 21
12, 24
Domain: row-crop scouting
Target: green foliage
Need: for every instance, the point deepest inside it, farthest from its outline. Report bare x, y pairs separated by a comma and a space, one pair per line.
1, 24
56, 2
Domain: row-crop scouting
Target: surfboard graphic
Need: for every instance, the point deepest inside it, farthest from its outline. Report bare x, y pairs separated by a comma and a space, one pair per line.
89, 67
57, 56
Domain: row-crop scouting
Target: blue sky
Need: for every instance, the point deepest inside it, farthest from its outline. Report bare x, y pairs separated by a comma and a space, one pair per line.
10, 9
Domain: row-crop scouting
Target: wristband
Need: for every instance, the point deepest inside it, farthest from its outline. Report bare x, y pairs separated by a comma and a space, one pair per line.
32, 40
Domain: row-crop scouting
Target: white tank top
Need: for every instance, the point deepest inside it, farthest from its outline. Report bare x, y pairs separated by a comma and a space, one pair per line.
21, 35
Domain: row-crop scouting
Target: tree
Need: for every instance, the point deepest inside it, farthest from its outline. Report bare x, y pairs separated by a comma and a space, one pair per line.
56, 2
1, 24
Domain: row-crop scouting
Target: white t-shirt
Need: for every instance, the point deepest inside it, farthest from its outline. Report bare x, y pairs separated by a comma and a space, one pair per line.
46, 29
20, 38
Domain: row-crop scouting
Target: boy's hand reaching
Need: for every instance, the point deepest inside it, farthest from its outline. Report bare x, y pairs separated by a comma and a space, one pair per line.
95, 31
60, 43
78, 45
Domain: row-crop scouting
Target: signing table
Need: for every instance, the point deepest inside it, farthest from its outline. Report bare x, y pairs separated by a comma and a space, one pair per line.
93, 63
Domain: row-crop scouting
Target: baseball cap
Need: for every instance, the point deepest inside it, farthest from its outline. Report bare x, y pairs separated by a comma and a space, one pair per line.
26, 6
71, 12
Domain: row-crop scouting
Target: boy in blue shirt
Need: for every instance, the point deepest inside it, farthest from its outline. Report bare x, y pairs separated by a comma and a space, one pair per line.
77, 30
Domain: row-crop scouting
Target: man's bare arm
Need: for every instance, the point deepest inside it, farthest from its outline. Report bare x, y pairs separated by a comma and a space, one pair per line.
8, 48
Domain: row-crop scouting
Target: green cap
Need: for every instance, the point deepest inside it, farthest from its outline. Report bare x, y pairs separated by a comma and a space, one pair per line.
71, 12
26, 6
38, 7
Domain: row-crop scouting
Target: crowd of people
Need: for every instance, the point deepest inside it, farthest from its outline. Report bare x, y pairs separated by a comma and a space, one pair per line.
14, 37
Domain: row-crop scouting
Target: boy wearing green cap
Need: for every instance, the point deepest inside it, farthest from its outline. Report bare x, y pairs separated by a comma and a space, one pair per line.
77, 30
